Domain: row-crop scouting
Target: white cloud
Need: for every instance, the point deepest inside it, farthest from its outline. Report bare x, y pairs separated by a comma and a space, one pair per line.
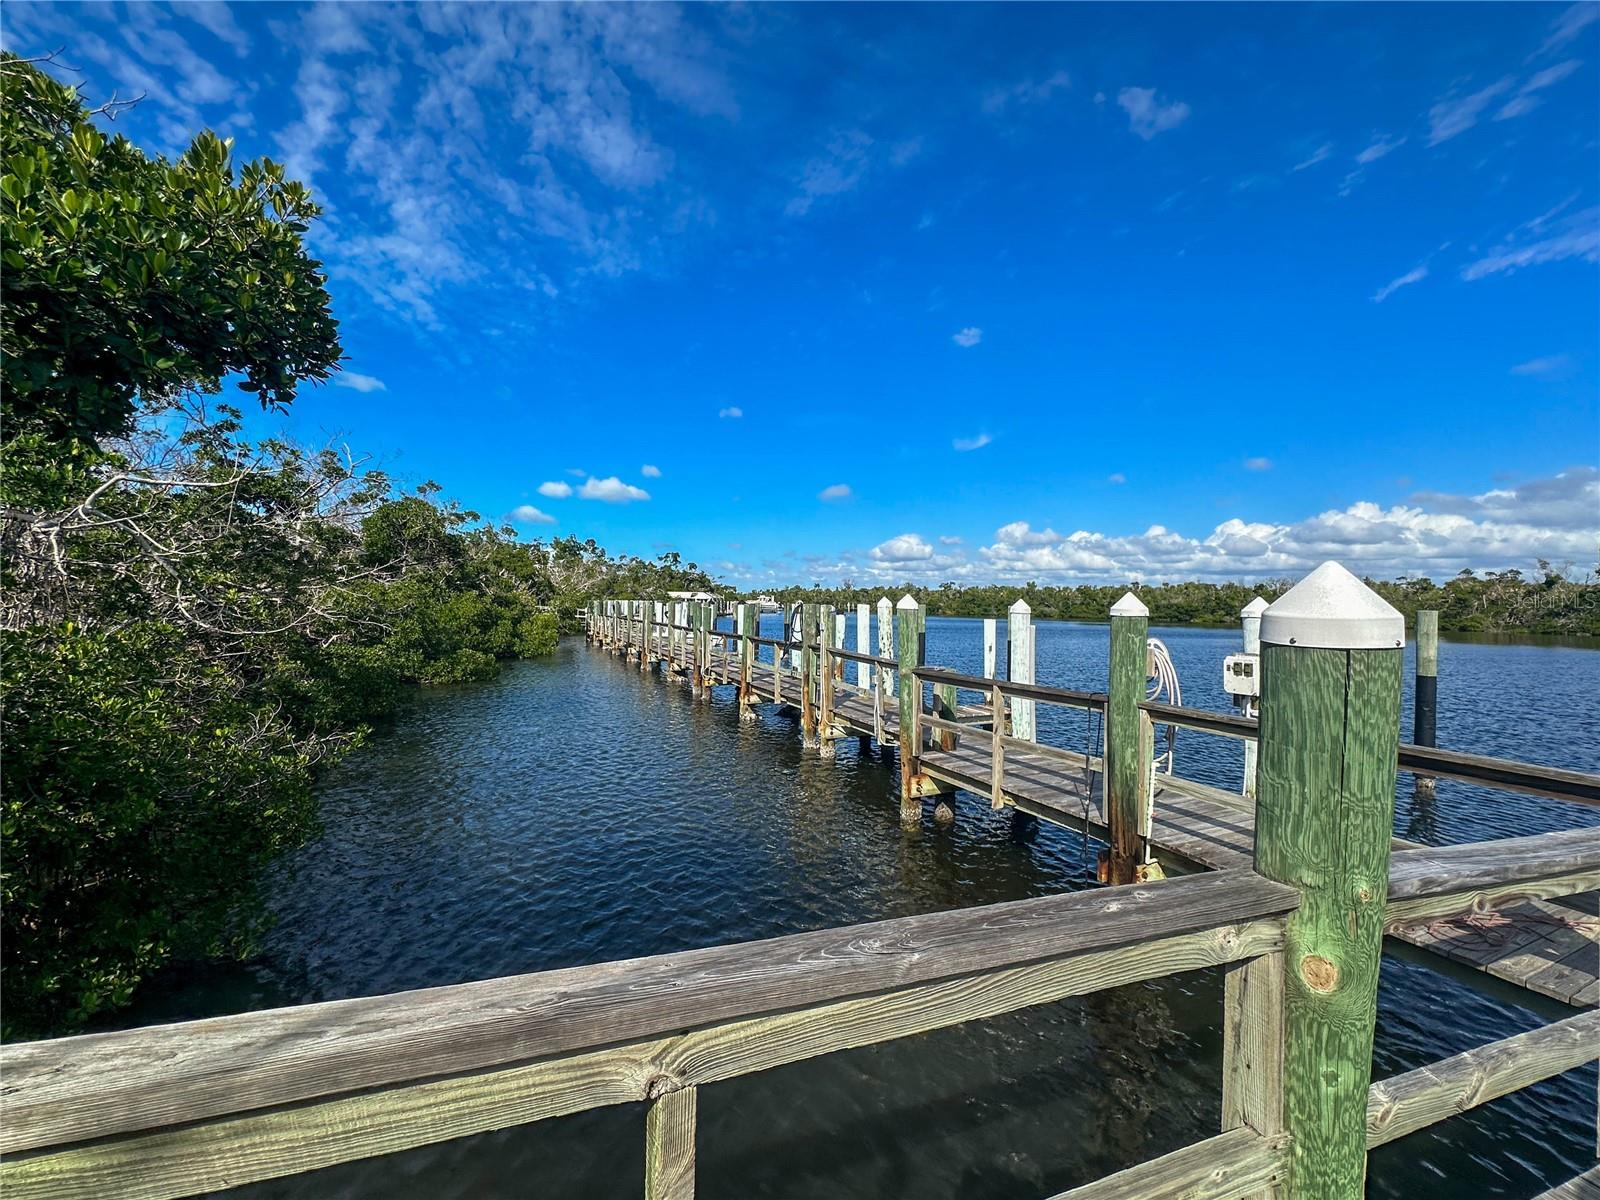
1557, 518
837, 491
842, 165
906, 548
1454, 115
1320, 154
1029, 91
527, 514
1542, 240
1148, 115
1552, 367
612, 491
970, 336
972, 443
650, 472
1116, 477
1258, 464
359, 382
949, 539
556, 489
1567, 26
1526, 99
1381, 146
1415, 275
733, 413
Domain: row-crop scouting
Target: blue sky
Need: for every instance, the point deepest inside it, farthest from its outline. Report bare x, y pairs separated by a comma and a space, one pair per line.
951, 292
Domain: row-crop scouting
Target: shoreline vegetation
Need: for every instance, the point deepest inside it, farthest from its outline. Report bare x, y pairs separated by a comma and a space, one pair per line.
1550, 601
195, 624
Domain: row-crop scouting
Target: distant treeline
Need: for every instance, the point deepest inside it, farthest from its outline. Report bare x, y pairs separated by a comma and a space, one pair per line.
1548, 602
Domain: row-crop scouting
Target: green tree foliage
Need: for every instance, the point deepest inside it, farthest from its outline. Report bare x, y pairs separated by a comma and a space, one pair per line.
192, 624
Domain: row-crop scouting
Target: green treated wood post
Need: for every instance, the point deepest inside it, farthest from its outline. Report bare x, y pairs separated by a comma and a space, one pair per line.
1127, 758
808, 673
910, 635
1331, 658
825, 663
749, 618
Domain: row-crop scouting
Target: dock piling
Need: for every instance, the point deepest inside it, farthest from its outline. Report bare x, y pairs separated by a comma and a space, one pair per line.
1331, 655
910, 642
1128, 754
1424, 726
1019, 667
1250, 626
825, 665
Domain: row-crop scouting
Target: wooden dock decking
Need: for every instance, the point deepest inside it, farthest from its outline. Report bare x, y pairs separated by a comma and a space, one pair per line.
1548, 948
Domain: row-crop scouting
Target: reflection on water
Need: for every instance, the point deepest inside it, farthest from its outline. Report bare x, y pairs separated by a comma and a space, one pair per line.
574, 811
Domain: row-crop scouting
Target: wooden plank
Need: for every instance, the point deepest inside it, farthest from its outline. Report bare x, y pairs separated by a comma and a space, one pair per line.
1252, 1045
1232, 1165
234, 1150
1430, 871
1582, 1187
1405, 1103
192, 1070
669, 1132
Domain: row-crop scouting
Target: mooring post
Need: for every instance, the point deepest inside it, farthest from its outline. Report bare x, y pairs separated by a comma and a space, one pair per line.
1331, 656
910, 641
808, 675
1425, 716
1019, 666
1127, 755
1250, 626
825, 664
989, 644
863, 644
886, 638
749, 618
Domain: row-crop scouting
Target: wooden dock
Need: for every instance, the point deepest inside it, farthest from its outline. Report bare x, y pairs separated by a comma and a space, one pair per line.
1529, 942
1296, 929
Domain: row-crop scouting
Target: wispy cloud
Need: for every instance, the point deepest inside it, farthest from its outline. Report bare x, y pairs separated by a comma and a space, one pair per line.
842, 165
1553, 366
972, 443
1321, 154
970, 336
1454, 115
556, 489
836, 491
359, 382
1415, 275
527, 514
1380, 146
1116, 477
1542, 240
1028, 91
1258, 464
1149, 114
950, 539
611, 491
732, 412
1568, 25
650, 472
1527, 99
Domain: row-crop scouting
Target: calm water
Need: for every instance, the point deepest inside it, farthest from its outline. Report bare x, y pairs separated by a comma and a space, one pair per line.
574, 811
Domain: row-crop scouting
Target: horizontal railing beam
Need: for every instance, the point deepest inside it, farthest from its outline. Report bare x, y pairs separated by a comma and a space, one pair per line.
71, 1089
1428, 883
1229, 1166
1406, 1103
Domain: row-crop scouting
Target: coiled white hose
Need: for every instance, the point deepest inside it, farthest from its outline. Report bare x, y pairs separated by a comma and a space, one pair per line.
1164, 681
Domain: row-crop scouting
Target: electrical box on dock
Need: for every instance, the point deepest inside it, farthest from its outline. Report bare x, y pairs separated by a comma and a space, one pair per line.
1241, 675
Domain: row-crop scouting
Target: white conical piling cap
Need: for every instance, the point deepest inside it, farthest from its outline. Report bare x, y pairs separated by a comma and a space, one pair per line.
1330, 609
1130, 606
1254, 609
1020, 607
907, 601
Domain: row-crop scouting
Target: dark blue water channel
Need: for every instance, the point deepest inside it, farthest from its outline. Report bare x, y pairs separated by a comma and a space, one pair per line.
575, 810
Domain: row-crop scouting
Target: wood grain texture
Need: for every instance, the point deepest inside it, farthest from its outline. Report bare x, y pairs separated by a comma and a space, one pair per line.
1329, 733
1236, 1164
1406, 1103
1582, 1187
1252, 1051
1126, 764
909, 639
165, 1074
229, 1151
1019, 668
669, 1135
1431, 871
